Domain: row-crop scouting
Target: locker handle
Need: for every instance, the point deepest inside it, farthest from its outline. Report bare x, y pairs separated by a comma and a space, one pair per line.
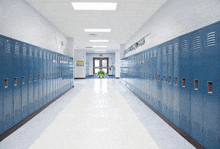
6, 83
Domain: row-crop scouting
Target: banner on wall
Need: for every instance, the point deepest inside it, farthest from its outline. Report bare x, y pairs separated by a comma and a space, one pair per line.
79, 63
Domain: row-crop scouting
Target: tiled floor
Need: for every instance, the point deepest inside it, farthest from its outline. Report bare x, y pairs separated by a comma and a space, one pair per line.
96, 114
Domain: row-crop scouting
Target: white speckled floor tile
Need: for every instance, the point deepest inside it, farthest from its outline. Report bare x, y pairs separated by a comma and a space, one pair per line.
96, 114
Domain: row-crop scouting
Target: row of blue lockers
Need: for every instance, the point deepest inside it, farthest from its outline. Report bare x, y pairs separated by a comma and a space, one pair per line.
180, 79
30, 77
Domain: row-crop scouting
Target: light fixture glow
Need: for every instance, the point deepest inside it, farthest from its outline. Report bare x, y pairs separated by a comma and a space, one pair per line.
93, 6
99, 46
98, 40
97, 30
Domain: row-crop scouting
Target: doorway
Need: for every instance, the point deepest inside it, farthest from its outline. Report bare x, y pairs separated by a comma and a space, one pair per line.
100, 63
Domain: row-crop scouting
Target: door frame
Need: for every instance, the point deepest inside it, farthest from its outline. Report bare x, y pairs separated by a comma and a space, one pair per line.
100, 58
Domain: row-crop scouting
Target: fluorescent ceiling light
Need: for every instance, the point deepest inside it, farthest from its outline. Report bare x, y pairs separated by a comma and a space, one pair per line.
94, 6
98, 40
99, 46
97, 30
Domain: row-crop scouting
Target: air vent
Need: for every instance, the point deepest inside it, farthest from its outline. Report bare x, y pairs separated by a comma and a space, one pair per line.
185, 43
196, 42
211, 39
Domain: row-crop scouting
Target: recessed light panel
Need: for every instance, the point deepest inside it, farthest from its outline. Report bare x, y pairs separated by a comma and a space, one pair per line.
97, 30
94, 6
98, 40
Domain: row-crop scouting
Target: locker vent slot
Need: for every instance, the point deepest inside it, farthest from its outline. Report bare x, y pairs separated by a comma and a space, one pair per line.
30, 52
176, 48
154, 76
196, 84
211, 39
148, 54
44, 55
35, 78
151, 54
155, 53
163, 78
40, 54
175, 80
183, 82
15, 82
185, 44
22, 80
8, 47
164, 50
209, 85
29, 79
170, 49
6, 83
158, 77
196, 42
39, 77
169, 79
16, 49
24, 51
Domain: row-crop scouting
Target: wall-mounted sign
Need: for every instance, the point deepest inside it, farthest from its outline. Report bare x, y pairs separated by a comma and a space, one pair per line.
79, 63
100, 55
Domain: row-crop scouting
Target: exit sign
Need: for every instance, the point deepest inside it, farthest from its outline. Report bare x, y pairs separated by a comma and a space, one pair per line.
100, 55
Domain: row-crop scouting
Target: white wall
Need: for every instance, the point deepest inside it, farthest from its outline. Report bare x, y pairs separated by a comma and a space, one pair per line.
20, 21
80, 71
175, 18
90, 56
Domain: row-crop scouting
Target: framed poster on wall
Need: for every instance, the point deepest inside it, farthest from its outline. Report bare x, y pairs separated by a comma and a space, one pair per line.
79, 63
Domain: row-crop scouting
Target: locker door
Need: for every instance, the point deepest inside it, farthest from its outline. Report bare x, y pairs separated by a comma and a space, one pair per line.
158, 78
17, 74
170, 76
7, 62
1, 88
164, 80
40, 78
31, 79
53, 77
176, 77
44, 78
48, 77
197, 93
36, 78
211, 71
24, 81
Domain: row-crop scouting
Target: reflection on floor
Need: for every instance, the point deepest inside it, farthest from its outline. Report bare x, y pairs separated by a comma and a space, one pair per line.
96, 77
96, 114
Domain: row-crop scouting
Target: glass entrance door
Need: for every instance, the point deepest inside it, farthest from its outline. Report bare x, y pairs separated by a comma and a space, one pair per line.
100, 63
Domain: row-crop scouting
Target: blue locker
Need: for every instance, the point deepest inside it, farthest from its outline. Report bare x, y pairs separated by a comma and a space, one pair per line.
147, 86
185, 89
40, 77
170, 77
176, 77
164, 79
47, 77
211, 70
151, 79
17, 74
1, 89
159, 79
31, 79
7, 62
44, 77
36, 78
25, 63
154, 79
53, 75
197, 100
71, 69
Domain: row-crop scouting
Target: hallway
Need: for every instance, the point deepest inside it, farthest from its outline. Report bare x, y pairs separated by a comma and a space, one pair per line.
96, 114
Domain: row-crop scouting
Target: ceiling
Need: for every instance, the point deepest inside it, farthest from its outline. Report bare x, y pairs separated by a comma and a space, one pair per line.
129, 16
